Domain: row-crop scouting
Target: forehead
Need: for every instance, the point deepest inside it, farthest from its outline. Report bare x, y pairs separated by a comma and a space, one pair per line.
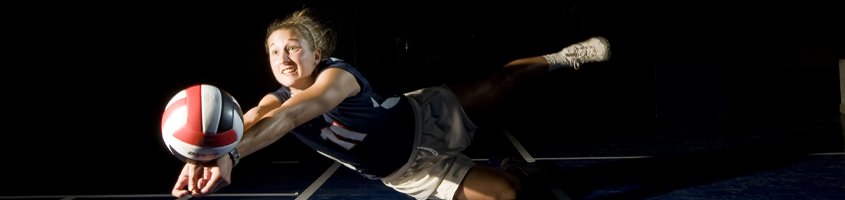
281, 36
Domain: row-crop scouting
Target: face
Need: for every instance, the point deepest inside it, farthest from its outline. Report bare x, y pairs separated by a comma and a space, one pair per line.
291, 59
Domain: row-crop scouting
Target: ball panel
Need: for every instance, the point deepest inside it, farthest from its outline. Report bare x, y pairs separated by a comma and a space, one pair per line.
187, 135
194, 152
180, 95
220, 139
211, 108
227, 112
239, 127
194, 97
177, 154
168, 113
175, 119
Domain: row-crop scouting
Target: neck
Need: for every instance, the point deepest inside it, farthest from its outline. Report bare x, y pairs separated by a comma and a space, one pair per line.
307, 82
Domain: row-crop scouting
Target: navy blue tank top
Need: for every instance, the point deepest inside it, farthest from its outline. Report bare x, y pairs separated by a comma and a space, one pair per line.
371, 132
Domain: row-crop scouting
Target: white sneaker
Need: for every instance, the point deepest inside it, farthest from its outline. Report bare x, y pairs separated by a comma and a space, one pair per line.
595, 49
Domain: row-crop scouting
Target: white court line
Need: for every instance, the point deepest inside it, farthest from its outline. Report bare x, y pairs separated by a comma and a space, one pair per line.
69, 197
559, 193
518, 146
480, 159
313, 187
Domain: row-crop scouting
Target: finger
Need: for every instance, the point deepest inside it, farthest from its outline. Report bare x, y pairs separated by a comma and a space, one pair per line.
213, 181
201, 183
206, 175
181, 182
193, 175
179, 193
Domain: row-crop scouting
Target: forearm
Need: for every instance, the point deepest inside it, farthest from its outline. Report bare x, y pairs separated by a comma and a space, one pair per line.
264, 132
278, 122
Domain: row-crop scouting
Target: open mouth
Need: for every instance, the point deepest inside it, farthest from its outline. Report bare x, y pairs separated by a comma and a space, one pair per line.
288, 70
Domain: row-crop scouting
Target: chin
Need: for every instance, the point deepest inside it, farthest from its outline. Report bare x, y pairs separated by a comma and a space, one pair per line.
285, 83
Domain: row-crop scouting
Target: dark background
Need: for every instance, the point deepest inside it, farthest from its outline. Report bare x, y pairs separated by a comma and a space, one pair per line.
88, 82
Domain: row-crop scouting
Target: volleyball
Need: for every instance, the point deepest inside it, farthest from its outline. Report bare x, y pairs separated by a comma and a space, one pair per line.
202, 123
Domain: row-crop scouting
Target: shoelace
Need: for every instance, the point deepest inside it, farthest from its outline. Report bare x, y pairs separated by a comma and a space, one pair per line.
580, 54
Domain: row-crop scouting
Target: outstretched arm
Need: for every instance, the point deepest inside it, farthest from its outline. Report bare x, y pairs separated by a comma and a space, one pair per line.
330, 88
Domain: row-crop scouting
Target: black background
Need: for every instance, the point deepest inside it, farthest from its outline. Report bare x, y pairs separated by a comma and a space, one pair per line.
87, 83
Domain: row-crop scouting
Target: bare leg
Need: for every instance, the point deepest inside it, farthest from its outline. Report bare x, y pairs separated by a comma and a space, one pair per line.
485, 92
480, 94
482, 182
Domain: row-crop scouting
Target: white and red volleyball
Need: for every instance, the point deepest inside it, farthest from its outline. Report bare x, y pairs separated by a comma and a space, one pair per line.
202, 123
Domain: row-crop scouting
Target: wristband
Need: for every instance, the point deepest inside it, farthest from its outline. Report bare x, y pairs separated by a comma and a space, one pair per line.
235, 157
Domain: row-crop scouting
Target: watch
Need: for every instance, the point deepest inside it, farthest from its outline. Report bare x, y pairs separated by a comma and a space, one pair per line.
235, 157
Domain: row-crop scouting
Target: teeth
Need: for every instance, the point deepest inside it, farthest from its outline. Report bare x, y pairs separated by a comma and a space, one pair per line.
288, 71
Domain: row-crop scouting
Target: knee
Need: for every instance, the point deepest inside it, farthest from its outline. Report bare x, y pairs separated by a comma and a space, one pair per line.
508, 193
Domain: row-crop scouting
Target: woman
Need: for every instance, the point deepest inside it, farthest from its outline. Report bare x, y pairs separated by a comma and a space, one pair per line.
411, 142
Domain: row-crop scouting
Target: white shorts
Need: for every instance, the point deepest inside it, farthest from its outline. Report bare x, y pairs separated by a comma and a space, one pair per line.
437, 166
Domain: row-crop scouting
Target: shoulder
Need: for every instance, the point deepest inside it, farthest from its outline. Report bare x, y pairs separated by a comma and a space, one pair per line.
336, 80
338, 63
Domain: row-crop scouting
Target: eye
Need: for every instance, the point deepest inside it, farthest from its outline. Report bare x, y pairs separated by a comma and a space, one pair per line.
293, 48
275, 52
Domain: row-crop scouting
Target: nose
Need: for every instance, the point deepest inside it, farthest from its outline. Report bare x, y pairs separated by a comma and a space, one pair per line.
286, 58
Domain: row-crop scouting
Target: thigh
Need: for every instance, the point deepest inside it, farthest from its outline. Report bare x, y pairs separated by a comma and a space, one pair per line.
482, 182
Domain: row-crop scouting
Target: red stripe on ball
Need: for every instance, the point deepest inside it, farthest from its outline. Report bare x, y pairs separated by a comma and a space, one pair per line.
176, 105
192, 137
192, 133
220, 139
194, 96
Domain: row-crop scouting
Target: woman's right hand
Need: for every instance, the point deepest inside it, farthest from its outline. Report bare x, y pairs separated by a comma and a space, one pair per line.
203, 179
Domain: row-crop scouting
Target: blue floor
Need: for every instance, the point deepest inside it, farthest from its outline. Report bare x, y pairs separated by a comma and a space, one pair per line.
720, 159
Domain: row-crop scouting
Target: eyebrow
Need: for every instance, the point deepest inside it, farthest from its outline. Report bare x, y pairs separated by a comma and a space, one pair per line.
289, 39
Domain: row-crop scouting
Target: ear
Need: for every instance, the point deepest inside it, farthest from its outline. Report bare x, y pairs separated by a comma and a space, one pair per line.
318, 54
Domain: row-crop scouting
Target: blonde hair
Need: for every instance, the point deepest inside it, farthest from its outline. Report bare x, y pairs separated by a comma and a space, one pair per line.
302, 24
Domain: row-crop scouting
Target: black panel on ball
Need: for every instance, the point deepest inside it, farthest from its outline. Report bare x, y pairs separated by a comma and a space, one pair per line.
228, 111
